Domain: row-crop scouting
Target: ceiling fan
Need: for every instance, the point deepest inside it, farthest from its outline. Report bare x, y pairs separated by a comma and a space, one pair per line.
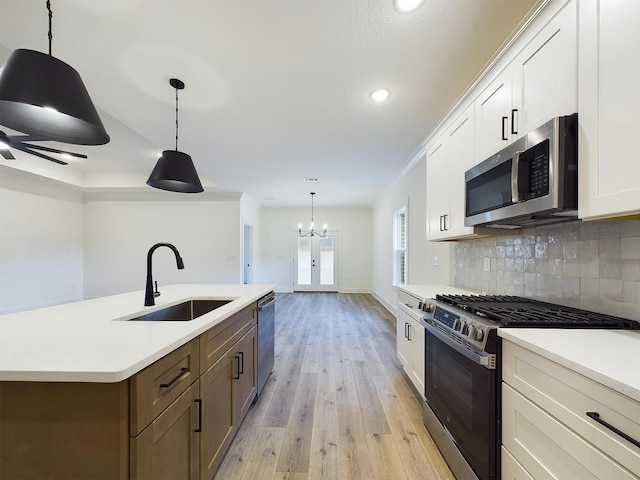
18, 142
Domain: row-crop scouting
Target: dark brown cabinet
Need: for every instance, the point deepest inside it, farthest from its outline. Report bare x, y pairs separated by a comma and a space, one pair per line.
173, 420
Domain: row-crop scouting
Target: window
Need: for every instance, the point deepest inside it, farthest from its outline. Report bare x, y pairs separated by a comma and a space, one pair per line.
400, 247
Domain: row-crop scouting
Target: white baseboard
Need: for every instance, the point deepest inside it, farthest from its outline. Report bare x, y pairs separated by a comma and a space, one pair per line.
392, 308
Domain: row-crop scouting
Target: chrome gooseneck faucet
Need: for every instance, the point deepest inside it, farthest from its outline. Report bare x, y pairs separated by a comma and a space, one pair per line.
149, 294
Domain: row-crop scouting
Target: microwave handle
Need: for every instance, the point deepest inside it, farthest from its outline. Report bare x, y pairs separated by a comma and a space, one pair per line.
515, 188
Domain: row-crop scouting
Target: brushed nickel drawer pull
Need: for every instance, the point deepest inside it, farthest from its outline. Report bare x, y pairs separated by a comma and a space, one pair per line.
596, 417
183, 370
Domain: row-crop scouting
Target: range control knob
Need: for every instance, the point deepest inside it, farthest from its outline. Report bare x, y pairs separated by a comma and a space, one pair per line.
457, 325
478, 334
465, 328
427, 307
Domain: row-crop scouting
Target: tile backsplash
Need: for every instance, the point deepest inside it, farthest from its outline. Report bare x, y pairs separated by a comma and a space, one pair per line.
593, 265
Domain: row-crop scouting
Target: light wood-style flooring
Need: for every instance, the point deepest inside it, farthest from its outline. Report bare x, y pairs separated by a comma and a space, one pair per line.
337, 405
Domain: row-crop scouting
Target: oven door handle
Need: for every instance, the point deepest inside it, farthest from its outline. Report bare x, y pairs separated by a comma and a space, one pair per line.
487, 360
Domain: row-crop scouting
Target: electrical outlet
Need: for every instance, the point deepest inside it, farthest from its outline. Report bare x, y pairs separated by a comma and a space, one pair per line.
487, 264
436, 261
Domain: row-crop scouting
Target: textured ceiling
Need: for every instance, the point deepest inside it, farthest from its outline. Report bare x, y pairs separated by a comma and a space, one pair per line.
276, 91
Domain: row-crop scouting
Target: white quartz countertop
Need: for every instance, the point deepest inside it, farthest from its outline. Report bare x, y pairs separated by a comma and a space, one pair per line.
609, 357
91, 341
429, 291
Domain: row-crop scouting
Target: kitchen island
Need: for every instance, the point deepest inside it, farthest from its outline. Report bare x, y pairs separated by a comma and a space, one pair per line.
92, 341
85, 392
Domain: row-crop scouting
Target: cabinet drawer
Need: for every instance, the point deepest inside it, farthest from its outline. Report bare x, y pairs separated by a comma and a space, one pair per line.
568, 396
169, 448
158, 385
547, 449
511, 469
215, 342
408, 300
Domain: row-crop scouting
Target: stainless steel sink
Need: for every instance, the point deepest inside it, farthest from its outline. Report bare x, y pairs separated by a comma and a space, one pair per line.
182, 312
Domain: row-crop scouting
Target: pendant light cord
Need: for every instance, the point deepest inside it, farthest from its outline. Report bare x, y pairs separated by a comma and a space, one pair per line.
312, 194
176, 119
50, 23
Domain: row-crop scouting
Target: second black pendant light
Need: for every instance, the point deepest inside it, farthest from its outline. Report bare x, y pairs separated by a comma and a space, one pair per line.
175, 170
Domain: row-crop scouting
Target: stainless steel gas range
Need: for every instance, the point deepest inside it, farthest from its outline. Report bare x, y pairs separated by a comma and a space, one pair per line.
463, 365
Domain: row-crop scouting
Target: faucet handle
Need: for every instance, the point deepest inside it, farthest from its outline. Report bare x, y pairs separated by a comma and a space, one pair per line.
156, 293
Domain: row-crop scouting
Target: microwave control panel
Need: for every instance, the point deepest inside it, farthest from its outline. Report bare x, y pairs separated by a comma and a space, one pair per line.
533, 172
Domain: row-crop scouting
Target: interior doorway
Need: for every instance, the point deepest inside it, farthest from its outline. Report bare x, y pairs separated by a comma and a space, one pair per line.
315, 263
247, 249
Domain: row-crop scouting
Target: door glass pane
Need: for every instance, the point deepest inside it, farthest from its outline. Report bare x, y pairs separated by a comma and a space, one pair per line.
327, 260
304, 260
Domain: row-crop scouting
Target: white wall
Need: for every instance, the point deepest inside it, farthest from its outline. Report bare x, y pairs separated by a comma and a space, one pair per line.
410, 191
279, 227
119, 233
40, 242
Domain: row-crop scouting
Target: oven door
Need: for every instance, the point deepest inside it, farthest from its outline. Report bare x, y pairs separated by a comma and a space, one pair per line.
461, 390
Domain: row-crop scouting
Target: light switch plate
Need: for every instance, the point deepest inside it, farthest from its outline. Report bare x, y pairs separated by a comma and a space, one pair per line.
487, 264
436, 261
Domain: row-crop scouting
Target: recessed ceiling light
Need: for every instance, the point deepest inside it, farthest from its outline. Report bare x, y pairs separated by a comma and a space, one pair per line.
406, 6
380, 95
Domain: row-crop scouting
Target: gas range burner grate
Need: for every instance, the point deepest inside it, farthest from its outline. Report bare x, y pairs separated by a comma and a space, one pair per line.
511, 311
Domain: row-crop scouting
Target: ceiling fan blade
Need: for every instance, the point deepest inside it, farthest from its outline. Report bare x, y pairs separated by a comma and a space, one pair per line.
27, 149
26, 138
7, 154
54, 150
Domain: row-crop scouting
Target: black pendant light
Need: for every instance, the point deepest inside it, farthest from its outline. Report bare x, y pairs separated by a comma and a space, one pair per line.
44, 97
175, 171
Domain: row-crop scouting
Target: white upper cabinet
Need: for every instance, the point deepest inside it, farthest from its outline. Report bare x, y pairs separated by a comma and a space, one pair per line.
539, 84
493, 110
534, 80
609, 184
545, 74
437, 188
450, 156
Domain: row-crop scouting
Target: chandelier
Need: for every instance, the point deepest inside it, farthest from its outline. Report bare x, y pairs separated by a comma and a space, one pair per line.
311, 231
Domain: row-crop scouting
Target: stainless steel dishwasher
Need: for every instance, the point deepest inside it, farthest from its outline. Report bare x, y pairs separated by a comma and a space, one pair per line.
266, 338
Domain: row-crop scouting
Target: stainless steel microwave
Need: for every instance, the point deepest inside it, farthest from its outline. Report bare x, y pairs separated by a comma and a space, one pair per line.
533, 181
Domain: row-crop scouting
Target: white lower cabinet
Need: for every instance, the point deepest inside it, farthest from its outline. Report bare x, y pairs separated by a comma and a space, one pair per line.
410, 342
546, 432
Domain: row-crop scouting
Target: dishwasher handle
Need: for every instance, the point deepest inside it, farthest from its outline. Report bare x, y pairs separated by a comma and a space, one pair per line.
266, 301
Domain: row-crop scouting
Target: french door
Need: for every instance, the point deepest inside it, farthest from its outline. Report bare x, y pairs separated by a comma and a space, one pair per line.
315, 263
